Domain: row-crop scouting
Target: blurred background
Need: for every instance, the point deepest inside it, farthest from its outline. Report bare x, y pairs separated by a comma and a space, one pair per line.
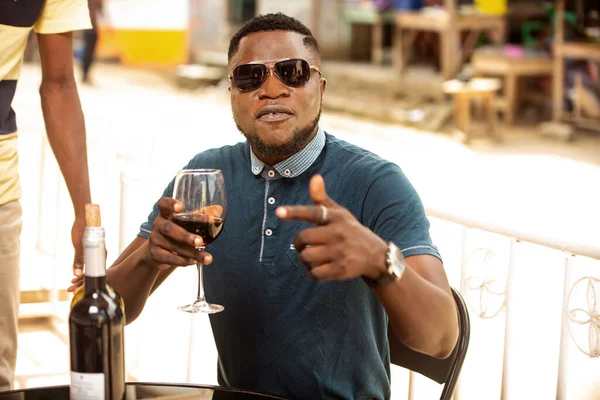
491, 107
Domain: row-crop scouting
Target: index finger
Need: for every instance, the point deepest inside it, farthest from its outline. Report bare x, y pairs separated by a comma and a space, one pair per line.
312, 214
167, 206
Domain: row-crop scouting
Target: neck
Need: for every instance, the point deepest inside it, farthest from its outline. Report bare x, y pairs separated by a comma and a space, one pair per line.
274, 160
95, 284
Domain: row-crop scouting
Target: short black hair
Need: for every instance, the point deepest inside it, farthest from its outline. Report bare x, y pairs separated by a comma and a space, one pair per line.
273, 22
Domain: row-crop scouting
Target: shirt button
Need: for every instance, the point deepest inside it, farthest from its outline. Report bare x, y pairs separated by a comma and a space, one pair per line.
268, 232
271, 173
271, 200
287, 172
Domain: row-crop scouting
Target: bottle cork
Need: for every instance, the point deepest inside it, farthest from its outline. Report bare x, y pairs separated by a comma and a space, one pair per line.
92, 215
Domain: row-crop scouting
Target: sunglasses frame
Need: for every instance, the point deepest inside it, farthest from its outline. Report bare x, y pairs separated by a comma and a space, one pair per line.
271, 70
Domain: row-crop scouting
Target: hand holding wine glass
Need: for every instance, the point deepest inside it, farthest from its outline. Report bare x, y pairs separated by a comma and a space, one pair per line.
171, 245
202, 195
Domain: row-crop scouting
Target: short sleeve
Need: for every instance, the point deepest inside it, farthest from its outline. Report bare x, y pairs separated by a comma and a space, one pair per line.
60, 16
395, 212
146, 227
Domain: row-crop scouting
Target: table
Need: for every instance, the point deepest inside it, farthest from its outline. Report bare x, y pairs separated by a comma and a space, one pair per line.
143, 390
449, 24
475, 89
496, 62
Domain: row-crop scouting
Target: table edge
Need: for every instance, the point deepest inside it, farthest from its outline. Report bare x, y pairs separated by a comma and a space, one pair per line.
164, 384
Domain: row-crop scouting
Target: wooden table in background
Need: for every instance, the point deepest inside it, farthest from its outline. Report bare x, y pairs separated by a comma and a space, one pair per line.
496, 63
450, 25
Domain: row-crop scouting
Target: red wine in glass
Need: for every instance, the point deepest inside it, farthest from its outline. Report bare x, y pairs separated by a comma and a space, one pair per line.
205, 226
202, 195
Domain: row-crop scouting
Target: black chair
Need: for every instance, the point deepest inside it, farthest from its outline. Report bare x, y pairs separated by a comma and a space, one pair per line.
444, 371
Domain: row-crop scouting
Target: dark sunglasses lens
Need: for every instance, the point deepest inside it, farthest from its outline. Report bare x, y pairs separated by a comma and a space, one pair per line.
293, 72
249, 77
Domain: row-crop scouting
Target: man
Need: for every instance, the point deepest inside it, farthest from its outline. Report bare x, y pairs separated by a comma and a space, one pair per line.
53, 21
292, 263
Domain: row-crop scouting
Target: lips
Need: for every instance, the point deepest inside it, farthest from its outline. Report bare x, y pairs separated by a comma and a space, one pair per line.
274, 113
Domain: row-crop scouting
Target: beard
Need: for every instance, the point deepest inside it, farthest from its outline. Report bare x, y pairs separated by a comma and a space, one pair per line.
299, 140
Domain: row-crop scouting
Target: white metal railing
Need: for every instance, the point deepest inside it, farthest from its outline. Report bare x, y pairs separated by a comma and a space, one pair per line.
553, 242
574, 284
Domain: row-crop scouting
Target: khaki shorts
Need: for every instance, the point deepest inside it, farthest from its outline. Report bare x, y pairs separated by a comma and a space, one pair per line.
10, 249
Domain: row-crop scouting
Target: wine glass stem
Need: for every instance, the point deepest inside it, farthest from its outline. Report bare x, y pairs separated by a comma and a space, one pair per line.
200, 298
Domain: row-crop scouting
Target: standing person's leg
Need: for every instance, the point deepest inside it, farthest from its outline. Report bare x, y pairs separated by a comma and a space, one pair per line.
90, 38
10, 249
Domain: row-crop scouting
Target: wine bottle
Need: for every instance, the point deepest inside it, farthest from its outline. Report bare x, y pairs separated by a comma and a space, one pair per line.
96, 325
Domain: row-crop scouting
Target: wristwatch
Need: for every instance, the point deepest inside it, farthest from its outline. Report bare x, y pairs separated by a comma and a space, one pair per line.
394, 268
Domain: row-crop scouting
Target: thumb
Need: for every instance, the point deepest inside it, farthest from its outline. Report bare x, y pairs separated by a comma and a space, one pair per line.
317, 191
167, 206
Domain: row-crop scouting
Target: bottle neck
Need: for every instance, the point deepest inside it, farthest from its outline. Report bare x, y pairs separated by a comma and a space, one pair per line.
95, 284
94, 252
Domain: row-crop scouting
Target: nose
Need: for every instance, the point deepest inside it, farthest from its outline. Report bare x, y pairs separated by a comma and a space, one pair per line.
273, 87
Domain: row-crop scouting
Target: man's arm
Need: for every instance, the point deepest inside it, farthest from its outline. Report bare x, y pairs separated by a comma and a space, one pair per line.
420, 305
421, 308
134, 278
65, 126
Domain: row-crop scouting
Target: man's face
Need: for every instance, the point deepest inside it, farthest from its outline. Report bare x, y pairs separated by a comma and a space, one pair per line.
275, 137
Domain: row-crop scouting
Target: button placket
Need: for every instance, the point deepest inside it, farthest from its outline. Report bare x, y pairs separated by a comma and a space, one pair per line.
271, 221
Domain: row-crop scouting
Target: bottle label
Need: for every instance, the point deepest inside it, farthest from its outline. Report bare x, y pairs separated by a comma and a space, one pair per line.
86, 386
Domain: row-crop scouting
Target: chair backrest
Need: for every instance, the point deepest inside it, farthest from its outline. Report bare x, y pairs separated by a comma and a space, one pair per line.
444, 371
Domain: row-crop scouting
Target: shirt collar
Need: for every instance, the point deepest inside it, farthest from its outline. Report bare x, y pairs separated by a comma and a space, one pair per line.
296, 164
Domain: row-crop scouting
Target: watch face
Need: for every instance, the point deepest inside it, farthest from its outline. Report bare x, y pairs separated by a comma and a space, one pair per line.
397, 267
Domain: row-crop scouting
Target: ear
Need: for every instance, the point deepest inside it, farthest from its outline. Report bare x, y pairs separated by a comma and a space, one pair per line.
322, 86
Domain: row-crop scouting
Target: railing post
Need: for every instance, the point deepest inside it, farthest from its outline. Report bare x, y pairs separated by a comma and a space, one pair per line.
190, 358
41, 190
507, 326
122, 212
563, 357
462, 289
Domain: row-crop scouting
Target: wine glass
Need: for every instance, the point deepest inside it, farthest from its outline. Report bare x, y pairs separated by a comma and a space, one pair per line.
202, 195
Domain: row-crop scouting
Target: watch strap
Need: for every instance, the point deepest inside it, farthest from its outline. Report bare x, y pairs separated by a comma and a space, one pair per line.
388, 275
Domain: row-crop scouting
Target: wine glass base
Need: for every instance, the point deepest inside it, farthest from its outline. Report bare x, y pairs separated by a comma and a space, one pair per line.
201, 308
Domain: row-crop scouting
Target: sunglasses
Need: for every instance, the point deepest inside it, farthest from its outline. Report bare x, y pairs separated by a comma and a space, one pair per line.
293, 72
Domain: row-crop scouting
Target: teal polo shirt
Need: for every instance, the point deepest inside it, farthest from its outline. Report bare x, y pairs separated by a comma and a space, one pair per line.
281, 332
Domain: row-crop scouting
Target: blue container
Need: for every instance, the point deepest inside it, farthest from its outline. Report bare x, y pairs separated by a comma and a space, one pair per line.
409, 5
